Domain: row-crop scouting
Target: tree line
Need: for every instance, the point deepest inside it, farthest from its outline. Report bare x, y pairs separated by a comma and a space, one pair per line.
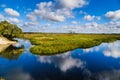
9, 30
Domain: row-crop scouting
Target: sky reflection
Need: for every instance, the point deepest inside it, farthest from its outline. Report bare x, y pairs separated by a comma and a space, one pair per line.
64, 61
113, 50
97, 63
108, 49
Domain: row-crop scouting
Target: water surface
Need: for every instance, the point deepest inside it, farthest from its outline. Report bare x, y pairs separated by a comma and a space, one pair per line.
97, 63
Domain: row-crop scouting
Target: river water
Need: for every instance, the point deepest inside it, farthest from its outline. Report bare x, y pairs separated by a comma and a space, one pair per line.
97, 63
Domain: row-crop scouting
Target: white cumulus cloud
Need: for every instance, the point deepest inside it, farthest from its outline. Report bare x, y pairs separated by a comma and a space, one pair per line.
113, 15
71, 4
89, 17
45, 11
74, 22
49, 11
14, 20
12, 12
31, 17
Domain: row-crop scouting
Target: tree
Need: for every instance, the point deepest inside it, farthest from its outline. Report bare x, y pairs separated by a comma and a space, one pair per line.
9, 30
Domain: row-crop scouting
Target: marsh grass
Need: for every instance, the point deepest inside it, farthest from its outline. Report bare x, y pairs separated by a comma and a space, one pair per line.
49, 44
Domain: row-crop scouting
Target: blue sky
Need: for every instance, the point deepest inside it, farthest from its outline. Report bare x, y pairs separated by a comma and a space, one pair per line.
80, 16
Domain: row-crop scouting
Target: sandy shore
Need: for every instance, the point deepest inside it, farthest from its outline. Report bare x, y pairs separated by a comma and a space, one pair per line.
6, 41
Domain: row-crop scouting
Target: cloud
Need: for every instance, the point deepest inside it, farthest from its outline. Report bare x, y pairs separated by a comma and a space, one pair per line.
11, 12
89, 17
71, 4
49, 11
28, 24
10, 19
45, 11
54, 17
92, 25
31, 17
14, 20
74, 22
113, 15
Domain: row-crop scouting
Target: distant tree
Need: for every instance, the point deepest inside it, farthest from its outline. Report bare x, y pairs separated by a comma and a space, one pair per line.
71, 32
9, 30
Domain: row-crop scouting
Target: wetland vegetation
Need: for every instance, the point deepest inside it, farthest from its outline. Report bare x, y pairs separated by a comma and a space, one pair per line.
49, 44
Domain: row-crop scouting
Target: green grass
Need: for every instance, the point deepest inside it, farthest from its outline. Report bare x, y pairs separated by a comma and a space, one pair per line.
49, 44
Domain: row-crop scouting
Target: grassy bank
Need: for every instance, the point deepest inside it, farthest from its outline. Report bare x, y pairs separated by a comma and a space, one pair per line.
48, 44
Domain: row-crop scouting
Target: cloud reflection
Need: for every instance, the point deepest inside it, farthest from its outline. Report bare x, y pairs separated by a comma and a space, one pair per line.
93, 49
64, 61
108, 49
18, 74
22, 42
113, 50
108, 75
103, 75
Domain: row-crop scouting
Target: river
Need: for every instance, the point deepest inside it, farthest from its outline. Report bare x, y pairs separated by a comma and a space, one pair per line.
97, 63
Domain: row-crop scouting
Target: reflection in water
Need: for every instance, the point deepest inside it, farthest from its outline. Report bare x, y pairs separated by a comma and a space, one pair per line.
11, 52
64, 61
93, 49
108, 75
110, 49
3, 47
18, 74
98, 63
22, 42
113, 49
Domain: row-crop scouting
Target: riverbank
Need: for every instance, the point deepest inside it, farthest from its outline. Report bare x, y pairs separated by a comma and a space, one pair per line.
4, 40
49, 44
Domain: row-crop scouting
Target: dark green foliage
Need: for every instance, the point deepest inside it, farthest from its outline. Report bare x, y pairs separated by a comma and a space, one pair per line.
9, 30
